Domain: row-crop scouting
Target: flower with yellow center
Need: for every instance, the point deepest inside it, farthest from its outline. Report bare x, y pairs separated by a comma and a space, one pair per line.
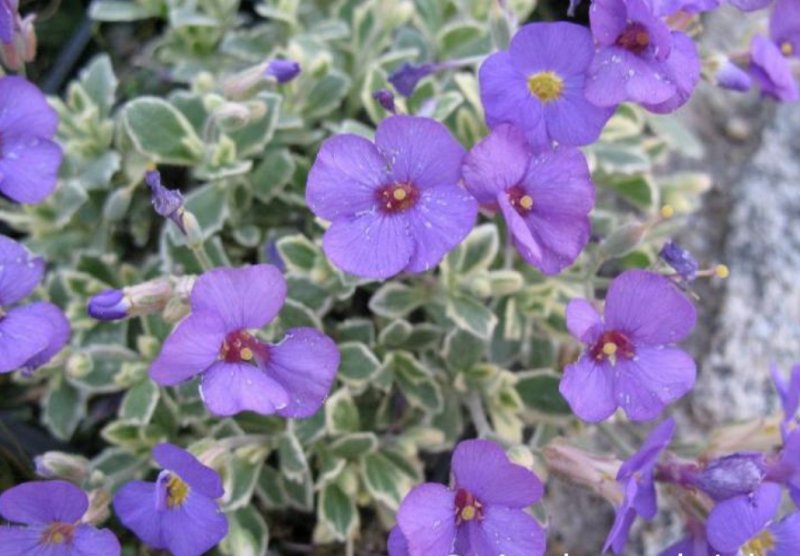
760, 545
177, 492
547, 86
787, 49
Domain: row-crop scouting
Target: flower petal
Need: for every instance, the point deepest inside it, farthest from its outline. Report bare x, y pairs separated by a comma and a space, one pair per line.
608, 19
373, 245
646, 456
574, 121
649, 308
230, 388
397, 544
683, 66
563, 48
420, 151
589, 389
246, 297
441, 219
483, 468
427, 519
31, 116
509, 532
198, 476
733, 522
42, 502
784, 24
16, 541
135, 506
194, 527
192, 348
643, 81
583, 320
497, 163
29, 168
20, 272
623, 519
345, 176
89, 540
23, 334
528, 246
305, 365
787, 535
55, 329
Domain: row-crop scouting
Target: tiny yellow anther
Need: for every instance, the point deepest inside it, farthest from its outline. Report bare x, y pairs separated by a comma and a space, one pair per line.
150, 166
609, 348
526, 202
468, 513
399, 194
787, 49
667, 211
246, 354
722, 271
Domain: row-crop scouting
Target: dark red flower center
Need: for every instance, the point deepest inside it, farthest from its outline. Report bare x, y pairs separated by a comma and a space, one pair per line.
635, 38
397, 197
241, 346
611, 346
520, 200
58, 533
467, 507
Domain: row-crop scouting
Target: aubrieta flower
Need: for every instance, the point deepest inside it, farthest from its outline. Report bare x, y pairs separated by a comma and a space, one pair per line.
694, 544
639, 58
179, 511
166, 202
789, 394
30, 335
406, 77
681, 260
784, 27
49, 514
771, 71
630, 360
8, 14
482, 515
750, 5
394, 204
545, 198
538, 85
732, 77
109, 305
636, 479
240, 372
670, 7
29, 158
282, 70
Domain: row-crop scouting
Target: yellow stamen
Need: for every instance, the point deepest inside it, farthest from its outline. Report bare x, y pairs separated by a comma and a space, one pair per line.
468, 513
150, 166
722, 271
526, 202
546, 86
177, 492
609, 348
761, 545
58, 533
787, 49
399, 194
667, 211
246, 354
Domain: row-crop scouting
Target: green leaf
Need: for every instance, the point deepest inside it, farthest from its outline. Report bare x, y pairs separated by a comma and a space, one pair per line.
477, 251
241, 474
617, 158
341, 413
248, 534
299, 254
358, 364
119, 11
63, 407
415, 381
641, 190
385, 481
539, 391
132, 435
353, 445
272, 174
338, 511
396, 333
470, 314
463, 349
100, 83
459, 40
394, 300
160, 131
252, 138
140, 402
292, 458
326, 95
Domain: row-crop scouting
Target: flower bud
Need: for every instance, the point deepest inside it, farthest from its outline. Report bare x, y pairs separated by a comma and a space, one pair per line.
58, 465
596, 472
406, 77
732, 77
680, 260
282, 70
108, 305
385, 98
733, 475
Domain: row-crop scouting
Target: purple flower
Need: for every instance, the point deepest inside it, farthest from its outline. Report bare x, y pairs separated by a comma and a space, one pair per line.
240, 372
406, 77
30, 335
732, 77
742, 519
638, 58
750, 5
282, 70
784, 26
680, 260
29, 159
694, 544
166, 202
386, 99
482, 514
538, 85
50, 515
393, 205
630, 360
669, 7
545, 198
789, 394
771, 71
109, 305
732, 475
178, 512
636, 479
8, 17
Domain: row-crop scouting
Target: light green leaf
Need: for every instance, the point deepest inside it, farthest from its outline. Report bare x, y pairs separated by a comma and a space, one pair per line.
140, 402
159, 130
248, 534
338, 511
341, 413
394, 300
470, 314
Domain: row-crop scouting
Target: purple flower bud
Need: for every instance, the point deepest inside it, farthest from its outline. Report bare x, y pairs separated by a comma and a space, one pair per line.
733, 475
386, 99
283, 70
406, 77
680, 260
732, 77
108, 305
166, 202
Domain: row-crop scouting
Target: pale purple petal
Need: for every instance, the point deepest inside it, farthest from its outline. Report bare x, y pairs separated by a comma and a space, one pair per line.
230, 388
496, 164
345, 176
649, 308
787, 536
608, 19
583, 320
654, 378
42, 502
560, 184
523, 239
563, 48
23, 334
750, 5
509, 532
90, 541
16, 541
305, 365
623, 519
397, 543
573, 120
20, 272
31, 116
55, 327
373, 245
420, 151
28, 168
442, 218
7, 17
772, 71
193, 527
589, 389
246, 297
192, 348
683, 65
201, 478
733, 522
647, 455
483, 469
644, 81
135, 506
732, 77
427, 519
784, 25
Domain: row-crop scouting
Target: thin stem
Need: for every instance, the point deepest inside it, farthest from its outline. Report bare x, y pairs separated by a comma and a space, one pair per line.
350, 547
202, 257
478, 414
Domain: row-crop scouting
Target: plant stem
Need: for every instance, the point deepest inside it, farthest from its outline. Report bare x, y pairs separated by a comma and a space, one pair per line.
478, 414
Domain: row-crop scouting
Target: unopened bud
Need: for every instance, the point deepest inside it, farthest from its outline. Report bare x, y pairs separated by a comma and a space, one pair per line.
109, 305
59, 465
596, 472
385, 98
282, 70
166, 202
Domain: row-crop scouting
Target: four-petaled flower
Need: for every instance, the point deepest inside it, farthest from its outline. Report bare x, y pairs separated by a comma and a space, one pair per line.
629, 360
771, 71
393, 205
784, 27
50, 513
240, 372
483, 514
179, 511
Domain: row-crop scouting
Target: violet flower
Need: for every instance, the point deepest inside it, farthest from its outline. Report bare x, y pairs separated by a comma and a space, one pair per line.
484, 513
630, 359
784, 27
750, 5
694, 544
395, 204
636, 479
386, 99
538, 85
732, 77
166, 202
545, 198
681, 260
240, 372
109, 305
638, 58
406, 77
8, 17
30, 335
179, 511
789, 394
49, 514
771, 71
670, 7
29, 158
282, 70
743, 519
